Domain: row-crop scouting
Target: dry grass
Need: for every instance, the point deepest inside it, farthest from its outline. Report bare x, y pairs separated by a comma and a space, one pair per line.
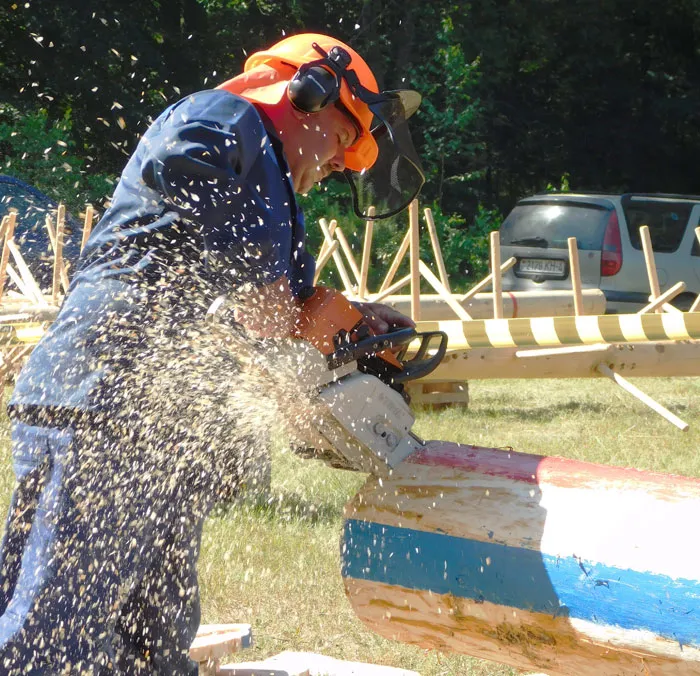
277, 566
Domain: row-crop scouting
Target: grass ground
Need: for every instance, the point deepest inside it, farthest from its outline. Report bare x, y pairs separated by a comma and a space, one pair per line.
277, 566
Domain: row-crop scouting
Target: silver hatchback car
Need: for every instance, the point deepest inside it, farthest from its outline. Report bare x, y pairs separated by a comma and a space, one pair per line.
606, 228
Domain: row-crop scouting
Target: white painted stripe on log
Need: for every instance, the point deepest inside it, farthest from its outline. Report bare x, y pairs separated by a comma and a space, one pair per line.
631, 327
674, 325
543, 331
604, 523
498, 332
588, 326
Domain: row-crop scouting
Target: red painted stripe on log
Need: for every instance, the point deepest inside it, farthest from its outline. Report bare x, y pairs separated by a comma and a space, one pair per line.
515, 303
538, 469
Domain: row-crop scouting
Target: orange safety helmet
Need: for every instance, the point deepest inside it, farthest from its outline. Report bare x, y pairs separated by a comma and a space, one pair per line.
285, 58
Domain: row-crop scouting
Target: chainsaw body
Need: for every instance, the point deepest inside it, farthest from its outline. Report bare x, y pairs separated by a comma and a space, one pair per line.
365, 421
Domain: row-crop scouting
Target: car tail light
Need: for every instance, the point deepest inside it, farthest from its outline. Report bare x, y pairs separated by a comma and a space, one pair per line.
611, 256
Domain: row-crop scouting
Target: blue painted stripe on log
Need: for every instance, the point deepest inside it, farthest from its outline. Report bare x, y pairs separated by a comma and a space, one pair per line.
524, 579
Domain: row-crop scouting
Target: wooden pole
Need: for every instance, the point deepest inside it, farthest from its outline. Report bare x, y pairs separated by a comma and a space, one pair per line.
331, 228
323, 259
486, 281
660, 300
556, 351
87, 225
345, 246
27, 277
415, 258
443, 292
644, 398
398, 259
649, 262
389, 290
495, 240
437, 251
366, 252
337, 259
58, 253
4, 259
64, 266
575, 276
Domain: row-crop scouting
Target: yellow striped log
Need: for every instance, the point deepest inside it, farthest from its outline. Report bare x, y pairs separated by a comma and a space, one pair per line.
555, 331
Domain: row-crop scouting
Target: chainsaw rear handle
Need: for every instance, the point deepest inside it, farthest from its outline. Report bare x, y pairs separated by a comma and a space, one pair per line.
371, 345
420, 365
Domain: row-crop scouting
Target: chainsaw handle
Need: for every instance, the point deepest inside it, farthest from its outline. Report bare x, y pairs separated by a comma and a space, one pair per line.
370, 346
420, 365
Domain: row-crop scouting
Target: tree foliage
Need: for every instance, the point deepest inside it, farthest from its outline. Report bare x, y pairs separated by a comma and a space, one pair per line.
517, 93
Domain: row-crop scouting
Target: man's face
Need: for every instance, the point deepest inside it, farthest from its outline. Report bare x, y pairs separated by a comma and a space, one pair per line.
317, 147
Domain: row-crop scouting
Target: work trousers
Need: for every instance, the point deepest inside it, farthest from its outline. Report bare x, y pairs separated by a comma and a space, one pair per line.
98, 562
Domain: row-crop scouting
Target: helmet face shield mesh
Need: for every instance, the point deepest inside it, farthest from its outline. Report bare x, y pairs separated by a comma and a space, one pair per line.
396, 177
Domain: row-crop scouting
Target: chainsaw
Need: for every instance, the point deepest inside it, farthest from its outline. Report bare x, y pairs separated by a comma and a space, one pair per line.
363, 416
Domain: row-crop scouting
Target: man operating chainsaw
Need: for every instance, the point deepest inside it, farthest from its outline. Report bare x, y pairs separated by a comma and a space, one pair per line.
98, 564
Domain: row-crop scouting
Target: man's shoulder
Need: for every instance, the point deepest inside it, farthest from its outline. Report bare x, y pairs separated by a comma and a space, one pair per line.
217, 106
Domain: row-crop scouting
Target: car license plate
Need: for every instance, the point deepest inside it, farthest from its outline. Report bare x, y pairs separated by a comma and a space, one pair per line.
543, 265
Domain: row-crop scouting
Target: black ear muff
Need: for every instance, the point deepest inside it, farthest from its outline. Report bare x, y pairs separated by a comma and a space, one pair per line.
313, 88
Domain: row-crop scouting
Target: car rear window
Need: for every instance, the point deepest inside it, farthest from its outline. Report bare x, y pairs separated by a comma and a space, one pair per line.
550, 224
666, 220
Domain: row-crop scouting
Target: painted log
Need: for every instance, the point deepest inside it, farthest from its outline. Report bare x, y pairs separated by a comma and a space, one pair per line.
545, 564
554, 331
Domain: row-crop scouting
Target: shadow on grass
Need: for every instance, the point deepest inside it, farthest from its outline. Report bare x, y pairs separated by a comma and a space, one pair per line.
283, 506
542, 414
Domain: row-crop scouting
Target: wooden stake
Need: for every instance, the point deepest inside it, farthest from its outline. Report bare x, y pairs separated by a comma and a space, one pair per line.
323, 259
415, 258
337, 259
58, 253
331, 229
486, 281
555, 351
27, 277
345, 246
650, 263
87, 226
644, 398
19, 282
495, 240
398, 259
437, 251
64, 266
366, 252
443, 292
4, 259
575, 276
661, 300
391, 289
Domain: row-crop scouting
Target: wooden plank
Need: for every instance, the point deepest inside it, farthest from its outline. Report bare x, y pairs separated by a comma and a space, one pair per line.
437, 251
650, 262
396, 262
366, 253
291, 663
661, 299
575, 275
9, 228
27, 277
495, 242
488, 280
87, 226
443, 292
643, 397
323, 259
415, 258
345, 246
337, 259
58, 253
331, 229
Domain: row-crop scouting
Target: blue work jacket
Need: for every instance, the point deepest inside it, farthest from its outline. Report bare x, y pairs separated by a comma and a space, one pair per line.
204, 206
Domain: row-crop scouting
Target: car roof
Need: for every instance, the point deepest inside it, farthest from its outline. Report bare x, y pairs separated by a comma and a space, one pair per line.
606, 199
